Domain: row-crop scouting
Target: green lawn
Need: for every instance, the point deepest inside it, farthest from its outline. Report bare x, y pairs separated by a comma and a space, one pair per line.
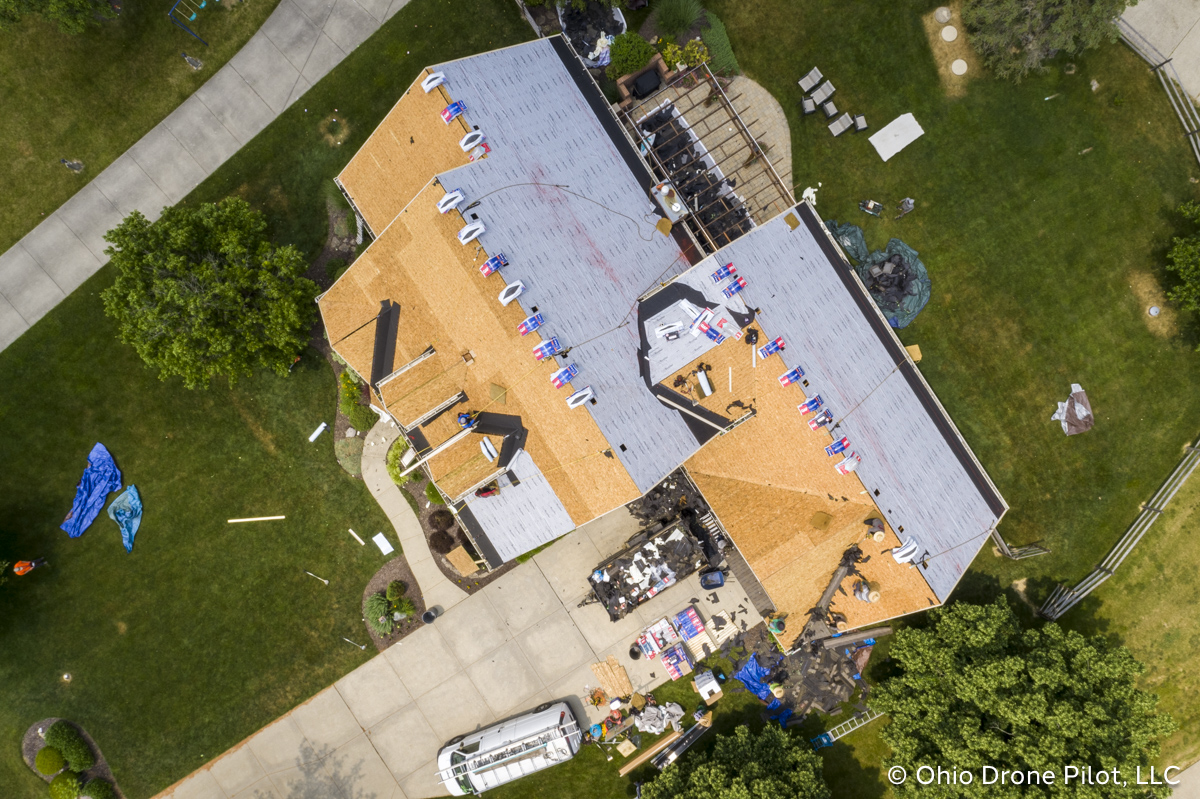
92, 96
208, 631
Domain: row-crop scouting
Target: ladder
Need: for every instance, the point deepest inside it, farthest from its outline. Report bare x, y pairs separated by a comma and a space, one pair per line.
527, 747
845, 728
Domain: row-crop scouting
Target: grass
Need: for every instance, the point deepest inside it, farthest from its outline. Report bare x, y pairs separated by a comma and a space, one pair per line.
92, 96
208, 631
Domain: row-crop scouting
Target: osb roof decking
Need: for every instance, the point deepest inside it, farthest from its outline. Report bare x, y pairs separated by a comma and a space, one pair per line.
410, 146
445, 302
464, 465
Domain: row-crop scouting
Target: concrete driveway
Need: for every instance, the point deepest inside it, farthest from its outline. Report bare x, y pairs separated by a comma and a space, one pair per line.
519, 642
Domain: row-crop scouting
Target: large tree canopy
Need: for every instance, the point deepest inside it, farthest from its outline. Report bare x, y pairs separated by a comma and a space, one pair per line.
768, 765
1016, 36
71, 16
202, 293
976, 690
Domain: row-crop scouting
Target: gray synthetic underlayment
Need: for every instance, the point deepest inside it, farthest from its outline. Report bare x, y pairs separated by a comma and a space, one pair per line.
522, 517
584, 261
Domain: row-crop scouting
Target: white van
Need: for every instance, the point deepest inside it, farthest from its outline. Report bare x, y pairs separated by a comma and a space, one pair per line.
484, 759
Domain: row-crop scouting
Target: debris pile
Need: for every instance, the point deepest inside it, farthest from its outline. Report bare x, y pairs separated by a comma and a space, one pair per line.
650, 564
584, 28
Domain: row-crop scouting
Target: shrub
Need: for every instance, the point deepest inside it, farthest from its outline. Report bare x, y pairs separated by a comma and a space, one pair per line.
49, 761
721, 51
441, 519
395, 590
433, 495
360, 416
673, 18
99, 789
692, 54
378, 614
441, 542
65, 786
394, 467
406, 606
335, 267
629, 53
67, 740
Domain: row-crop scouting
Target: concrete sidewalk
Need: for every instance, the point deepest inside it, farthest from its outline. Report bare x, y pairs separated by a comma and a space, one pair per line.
1173, 27
436, 590
297, 46
517, 643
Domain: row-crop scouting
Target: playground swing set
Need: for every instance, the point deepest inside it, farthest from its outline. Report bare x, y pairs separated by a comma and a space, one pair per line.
185, 11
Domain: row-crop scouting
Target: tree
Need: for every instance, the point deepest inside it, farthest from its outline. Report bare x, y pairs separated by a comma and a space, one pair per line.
202, 293
771, 764
71, 16
1184, 260
1014, 37
976, 690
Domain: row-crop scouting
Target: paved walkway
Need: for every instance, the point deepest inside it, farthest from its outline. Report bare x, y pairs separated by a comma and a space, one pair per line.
297, 46
772, 129
1173, 27
435, 588
517, 643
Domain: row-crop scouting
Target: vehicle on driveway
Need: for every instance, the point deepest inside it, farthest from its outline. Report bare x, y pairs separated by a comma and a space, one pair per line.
487, 758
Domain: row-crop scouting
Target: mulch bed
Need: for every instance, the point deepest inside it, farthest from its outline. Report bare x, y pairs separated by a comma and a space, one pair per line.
471, 583
650, 33
32, 743
395, 569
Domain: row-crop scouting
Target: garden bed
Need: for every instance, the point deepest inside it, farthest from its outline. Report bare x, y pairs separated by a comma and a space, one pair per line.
32, 743
395, 569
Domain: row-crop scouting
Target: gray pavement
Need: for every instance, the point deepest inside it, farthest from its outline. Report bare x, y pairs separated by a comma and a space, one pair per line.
1173, 27
298, 44
517, 643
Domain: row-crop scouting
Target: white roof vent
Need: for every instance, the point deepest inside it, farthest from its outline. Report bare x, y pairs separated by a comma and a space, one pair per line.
581, 396
472, 139
434, 80
450, 201
471, 232
489, 449
511, 292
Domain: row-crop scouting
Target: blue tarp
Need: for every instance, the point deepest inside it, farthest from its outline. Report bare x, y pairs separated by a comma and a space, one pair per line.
754, 676
126, 511
99, 479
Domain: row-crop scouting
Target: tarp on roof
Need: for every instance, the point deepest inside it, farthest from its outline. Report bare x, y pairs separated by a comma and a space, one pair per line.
99, 479
126, 511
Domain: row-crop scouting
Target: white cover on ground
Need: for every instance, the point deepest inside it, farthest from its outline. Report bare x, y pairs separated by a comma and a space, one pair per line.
898, 134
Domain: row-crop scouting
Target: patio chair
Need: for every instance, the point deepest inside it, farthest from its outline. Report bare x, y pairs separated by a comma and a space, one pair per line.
809, 105
810, 80
860, 123
841, 125
823, 92
830, 110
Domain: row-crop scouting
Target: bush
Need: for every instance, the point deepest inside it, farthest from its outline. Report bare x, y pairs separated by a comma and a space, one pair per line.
360, 416
720, 50
65, 786
67, 740
673, 18
630, 53
379, 615
395, 590
394, 467
441, 519
433, 495
692, 54
1184, 260
49, 761
335, 267
99, 789
441, 542
406, 606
